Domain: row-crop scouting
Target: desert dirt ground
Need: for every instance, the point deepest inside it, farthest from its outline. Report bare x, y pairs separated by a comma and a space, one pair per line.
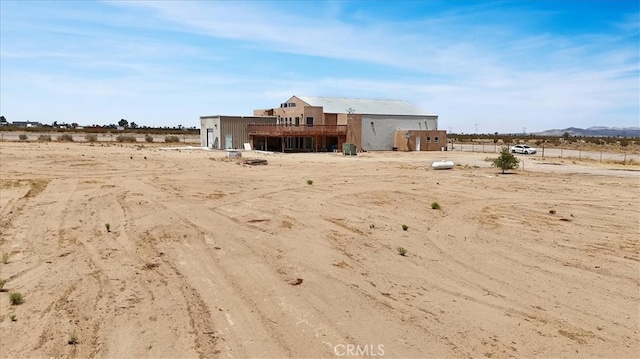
208, 257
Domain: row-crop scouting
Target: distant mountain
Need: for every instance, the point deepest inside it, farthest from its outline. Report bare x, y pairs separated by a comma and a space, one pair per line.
595, 131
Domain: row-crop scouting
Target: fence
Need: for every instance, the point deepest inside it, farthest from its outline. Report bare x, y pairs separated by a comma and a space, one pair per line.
602, 155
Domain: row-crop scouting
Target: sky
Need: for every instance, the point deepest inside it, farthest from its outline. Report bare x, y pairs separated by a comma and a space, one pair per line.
485, 66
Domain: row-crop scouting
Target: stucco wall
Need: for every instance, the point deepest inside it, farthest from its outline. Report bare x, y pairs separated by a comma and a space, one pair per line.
343, 118
378, 131
426, 140
354, 131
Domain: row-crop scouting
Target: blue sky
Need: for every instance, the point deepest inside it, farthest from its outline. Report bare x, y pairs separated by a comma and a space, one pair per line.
504, 65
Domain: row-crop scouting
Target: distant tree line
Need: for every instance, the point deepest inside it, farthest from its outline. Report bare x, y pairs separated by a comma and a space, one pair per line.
122, 124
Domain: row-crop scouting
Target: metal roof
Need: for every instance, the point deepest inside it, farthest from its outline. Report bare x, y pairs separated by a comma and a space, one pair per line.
365, 106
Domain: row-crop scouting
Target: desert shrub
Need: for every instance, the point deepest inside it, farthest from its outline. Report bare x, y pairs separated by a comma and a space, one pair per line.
309, 182
23, 137
16, 298
2, 283
435, 205
148, 138
506, 161
5, 258
126, 138
108, 227
90, 137
405, 227
44, 138
65, 137
73, 338
402, 251
552, 211
172, 139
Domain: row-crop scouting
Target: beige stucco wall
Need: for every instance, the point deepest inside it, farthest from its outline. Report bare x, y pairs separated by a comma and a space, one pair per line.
300, 109
342, 118
428, 140
354, 131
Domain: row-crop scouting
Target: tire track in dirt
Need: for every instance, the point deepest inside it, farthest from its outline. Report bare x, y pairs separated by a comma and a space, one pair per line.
202, 327
375, 300
467, 282
269, 313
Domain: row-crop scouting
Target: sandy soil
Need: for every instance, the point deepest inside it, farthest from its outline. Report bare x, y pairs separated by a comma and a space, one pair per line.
206, 257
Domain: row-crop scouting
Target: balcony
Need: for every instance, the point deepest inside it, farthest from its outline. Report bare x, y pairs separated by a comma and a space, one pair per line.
296, 131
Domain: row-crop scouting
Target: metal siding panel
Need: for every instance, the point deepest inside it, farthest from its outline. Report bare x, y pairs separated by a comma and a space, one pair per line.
381, 135
235, 126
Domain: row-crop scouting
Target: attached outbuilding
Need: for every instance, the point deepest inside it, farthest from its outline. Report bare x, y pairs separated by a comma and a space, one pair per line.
420, 140
228, 132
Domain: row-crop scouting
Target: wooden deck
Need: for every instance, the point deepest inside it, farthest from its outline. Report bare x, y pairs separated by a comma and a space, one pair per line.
296, 131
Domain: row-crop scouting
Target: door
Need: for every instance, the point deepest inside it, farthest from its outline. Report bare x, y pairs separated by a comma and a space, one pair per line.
417, 143
228, 141
210, 137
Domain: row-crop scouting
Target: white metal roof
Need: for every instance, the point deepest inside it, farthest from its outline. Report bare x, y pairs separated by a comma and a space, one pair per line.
365, 106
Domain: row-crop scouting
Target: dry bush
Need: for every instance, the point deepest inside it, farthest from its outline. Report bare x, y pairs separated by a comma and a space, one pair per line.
65, 137
170, 139
126, 138
90, 137
44, 138
16, 298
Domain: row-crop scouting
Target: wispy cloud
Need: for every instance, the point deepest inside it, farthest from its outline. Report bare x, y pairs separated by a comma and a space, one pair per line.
502, 64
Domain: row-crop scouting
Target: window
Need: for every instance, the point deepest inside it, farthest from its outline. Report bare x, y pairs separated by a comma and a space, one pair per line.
435, 139
297, 121
310, 121
428, 139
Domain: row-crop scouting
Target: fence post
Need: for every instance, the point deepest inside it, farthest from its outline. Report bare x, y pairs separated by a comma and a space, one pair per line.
600, 156
483, 147
580, 155
625, 159
473, 147
561, 153
543, 151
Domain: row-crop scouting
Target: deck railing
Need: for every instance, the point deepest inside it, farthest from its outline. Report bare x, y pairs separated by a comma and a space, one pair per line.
291, 130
